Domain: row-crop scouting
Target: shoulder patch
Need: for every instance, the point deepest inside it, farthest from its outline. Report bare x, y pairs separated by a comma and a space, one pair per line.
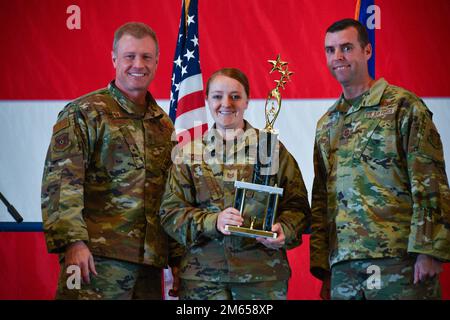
61, 142
60, 125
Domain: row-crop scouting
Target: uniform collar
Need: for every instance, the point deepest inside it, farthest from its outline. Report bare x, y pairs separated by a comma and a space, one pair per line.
212, 133
204, 149
375, 94
371, 98
130, 107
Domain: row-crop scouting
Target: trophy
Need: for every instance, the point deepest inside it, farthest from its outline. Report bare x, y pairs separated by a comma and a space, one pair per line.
264, 184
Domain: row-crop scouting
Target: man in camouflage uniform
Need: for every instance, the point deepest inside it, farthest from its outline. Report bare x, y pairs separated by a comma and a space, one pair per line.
104, 175
380, 205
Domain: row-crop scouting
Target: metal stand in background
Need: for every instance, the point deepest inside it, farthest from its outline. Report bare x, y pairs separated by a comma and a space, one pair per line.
12, 211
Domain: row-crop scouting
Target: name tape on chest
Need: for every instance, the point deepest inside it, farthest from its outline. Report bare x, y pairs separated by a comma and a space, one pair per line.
380, 113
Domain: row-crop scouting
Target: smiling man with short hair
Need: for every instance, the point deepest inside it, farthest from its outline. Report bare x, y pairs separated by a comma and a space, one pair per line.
104, 176
380, 198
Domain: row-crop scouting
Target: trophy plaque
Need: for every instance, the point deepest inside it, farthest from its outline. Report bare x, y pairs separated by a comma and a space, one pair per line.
264, 184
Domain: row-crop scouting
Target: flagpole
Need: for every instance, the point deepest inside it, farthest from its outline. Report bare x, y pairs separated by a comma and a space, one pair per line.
357, 9
186, 10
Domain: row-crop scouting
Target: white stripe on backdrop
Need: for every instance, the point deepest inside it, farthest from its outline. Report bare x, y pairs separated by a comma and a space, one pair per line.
26, 126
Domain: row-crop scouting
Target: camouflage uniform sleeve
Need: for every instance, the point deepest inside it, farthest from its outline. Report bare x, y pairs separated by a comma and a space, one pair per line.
180, 218
63, 179
430, 224
319, 246
176, 251
294, 211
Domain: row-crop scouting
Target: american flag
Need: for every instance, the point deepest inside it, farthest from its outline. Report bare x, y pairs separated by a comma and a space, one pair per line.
187, 103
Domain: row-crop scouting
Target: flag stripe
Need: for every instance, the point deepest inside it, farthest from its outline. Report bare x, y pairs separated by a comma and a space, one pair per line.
185, 136
27, 127
191, 119
189, 85
191, 102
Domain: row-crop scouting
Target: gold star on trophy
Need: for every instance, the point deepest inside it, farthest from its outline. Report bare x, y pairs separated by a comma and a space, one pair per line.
277, 64
273, 101
264, 181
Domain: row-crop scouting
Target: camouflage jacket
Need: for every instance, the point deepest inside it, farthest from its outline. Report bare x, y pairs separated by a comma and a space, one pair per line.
104, 175
197, 190
380, 187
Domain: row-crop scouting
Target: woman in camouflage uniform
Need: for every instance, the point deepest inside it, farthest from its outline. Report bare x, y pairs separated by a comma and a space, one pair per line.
198, 204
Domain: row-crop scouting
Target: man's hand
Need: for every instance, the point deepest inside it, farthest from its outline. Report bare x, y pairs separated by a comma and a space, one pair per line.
426, 266
79, 254
276, 243
229, 216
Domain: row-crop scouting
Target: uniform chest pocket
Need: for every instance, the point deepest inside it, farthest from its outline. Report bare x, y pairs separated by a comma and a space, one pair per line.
159, 158
366, 138
120, 153
208, 190
158, 146
377, 143
137, 154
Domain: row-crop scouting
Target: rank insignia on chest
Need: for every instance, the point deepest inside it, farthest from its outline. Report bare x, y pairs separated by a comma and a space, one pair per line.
346, 133
198, 171
230, 175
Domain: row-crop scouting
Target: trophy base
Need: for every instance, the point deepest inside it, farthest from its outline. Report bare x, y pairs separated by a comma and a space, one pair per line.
252, 233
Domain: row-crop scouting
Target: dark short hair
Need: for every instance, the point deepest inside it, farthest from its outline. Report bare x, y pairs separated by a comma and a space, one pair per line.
232, 73
138, 30
363, 36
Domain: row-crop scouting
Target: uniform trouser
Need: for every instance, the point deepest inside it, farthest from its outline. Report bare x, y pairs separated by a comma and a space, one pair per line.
208, 290
115, 280
380, 279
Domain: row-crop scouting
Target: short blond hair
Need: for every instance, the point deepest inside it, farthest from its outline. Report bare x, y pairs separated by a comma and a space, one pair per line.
138, 30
